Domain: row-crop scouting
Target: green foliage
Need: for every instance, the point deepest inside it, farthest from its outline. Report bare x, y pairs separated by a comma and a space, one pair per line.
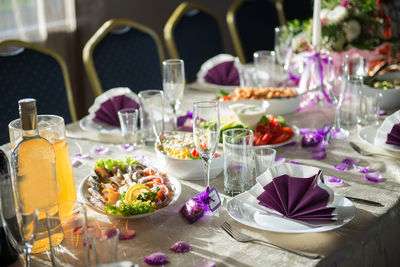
126, 210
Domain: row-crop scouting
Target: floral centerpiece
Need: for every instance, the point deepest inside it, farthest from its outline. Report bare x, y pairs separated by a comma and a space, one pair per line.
344, 25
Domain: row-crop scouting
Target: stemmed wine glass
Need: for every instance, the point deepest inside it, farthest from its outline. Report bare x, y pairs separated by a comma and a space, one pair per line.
335, 88
174, 83
206, 132
282, 46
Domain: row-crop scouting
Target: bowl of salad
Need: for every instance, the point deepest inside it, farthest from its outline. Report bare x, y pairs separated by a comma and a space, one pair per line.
389, 85
178, 156
128, 189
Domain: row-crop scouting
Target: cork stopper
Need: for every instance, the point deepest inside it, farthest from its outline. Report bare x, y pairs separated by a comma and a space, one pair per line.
28, 113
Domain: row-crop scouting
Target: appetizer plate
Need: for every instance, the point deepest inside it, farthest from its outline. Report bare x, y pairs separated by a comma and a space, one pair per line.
390, 97
368, 133
248, 214
87, 124
83, 194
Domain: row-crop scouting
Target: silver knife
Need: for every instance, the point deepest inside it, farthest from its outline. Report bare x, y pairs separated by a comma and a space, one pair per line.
365, 201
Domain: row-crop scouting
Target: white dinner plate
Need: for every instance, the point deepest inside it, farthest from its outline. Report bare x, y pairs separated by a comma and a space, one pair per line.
83, 196
87, 124
246, 213
367, 134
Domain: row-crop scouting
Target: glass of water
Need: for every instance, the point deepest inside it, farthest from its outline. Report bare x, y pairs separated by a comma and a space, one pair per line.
128, 118
174, 83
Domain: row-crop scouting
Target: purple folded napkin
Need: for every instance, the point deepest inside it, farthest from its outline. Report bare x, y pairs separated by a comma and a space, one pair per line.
108, 111
297, 198
224, 73
393, 138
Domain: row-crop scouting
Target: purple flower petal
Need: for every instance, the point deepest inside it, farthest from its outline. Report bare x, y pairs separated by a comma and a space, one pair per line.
126, 234
362, 169
339, 134
180, 247
100, 150
279, 160
81, 156
108, 233
318, 155
128, 148
78, 230
206, 263
157, 258
382, 112
305, 130
374, 177
294, 162
341, 167
75, 162
350, 161
291, 143
311, 139
336, 181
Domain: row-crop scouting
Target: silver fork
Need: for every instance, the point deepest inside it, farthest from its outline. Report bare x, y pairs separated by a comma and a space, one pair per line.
366, 153
238, 236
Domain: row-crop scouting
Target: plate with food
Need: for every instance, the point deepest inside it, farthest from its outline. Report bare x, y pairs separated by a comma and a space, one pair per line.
280, 100
179, 157
268, 130
388, 85
128, 189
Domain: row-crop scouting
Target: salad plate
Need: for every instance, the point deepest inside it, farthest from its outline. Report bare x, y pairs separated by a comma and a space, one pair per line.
244, 209
368, 133
86, 196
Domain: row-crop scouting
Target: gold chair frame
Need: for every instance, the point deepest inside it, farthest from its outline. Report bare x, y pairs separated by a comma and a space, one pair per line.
91, 44
61, 62
169, 27
230, 20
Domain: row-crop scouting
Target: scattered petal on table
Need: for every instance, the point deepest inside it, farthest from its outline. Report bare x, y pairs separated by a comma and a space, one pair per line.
318, 155
339, 134
382, 112
81, 156
126, 234
206, 263
180, 246
157, 258
362, 169
279, 160
75, 162
100, 150
294, 162
350, 161
78, 230
128, 148
375, 177
341, 167
335, 181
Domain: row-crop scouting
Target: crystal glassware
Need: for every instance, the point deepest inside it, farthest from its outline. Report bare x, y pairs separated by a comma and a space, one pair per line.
151, 114
128, 118
206, 130
264, 159
265, 67
282, 46
174, 83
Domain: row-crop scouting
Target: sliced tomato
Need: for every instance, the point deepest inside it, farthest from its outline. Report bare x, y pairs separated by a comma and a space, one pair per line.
265, 138
288, 131
281, 138
195, 153
225, 98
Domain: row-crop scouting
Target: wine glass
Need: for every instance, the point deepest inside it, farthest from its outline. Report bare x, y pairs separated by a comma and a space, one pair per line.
206, 132
282, 46
174, 83
335, 88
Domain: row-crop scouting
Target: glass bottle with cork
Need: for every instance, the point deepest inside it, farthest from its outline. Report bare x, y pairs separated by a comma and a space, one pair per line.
33, 162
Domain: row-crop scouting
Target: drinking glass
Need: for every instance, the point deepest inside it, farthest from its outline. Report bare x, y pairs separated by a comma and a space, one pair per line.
264, 159
128, 119
350, 106
67, 228
20, 227
335, 88
282, 46
104, 242
174, 83
370, 106
151, 114
206, 132
357, 66
247, 74
238, 160
265, 64
52, 128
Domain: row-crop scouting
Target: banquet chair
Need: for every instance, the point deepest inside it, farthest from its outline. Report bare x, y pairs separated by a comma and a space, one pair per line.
193, 34
28, 70
123, 53
251, 25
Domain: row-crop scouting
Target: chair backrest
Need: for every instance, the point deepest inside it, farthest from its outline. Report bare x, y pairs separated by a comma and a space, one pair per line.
33, 71
298, 9
123, 53
251, 24
193, 34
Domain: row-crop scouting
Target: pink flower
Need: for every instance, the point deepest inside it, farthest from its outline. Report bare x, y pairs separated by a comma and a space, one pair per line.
345, 3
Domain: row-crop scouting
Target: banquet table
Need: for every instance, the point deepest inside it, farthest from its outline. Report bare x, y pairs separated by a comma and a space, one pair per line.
372, 238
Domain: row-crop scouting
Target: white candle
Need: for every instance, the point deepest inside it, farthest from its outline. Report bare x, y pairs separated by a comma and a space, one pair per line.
316, 38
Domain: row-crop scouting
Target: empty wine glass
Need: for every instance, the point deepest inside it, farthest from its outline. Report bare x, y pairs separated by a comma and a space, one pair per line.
335, 88
282, 46
174, 83
206, 132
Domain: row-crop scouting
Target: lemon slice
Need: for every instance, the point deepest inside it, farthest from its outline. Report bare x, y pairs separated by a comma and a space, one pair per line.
134, 191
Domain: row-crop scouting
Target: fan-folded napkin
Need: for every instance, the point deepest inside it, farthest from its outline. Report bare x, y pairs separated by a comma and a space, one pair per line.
219, 70
388, 134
